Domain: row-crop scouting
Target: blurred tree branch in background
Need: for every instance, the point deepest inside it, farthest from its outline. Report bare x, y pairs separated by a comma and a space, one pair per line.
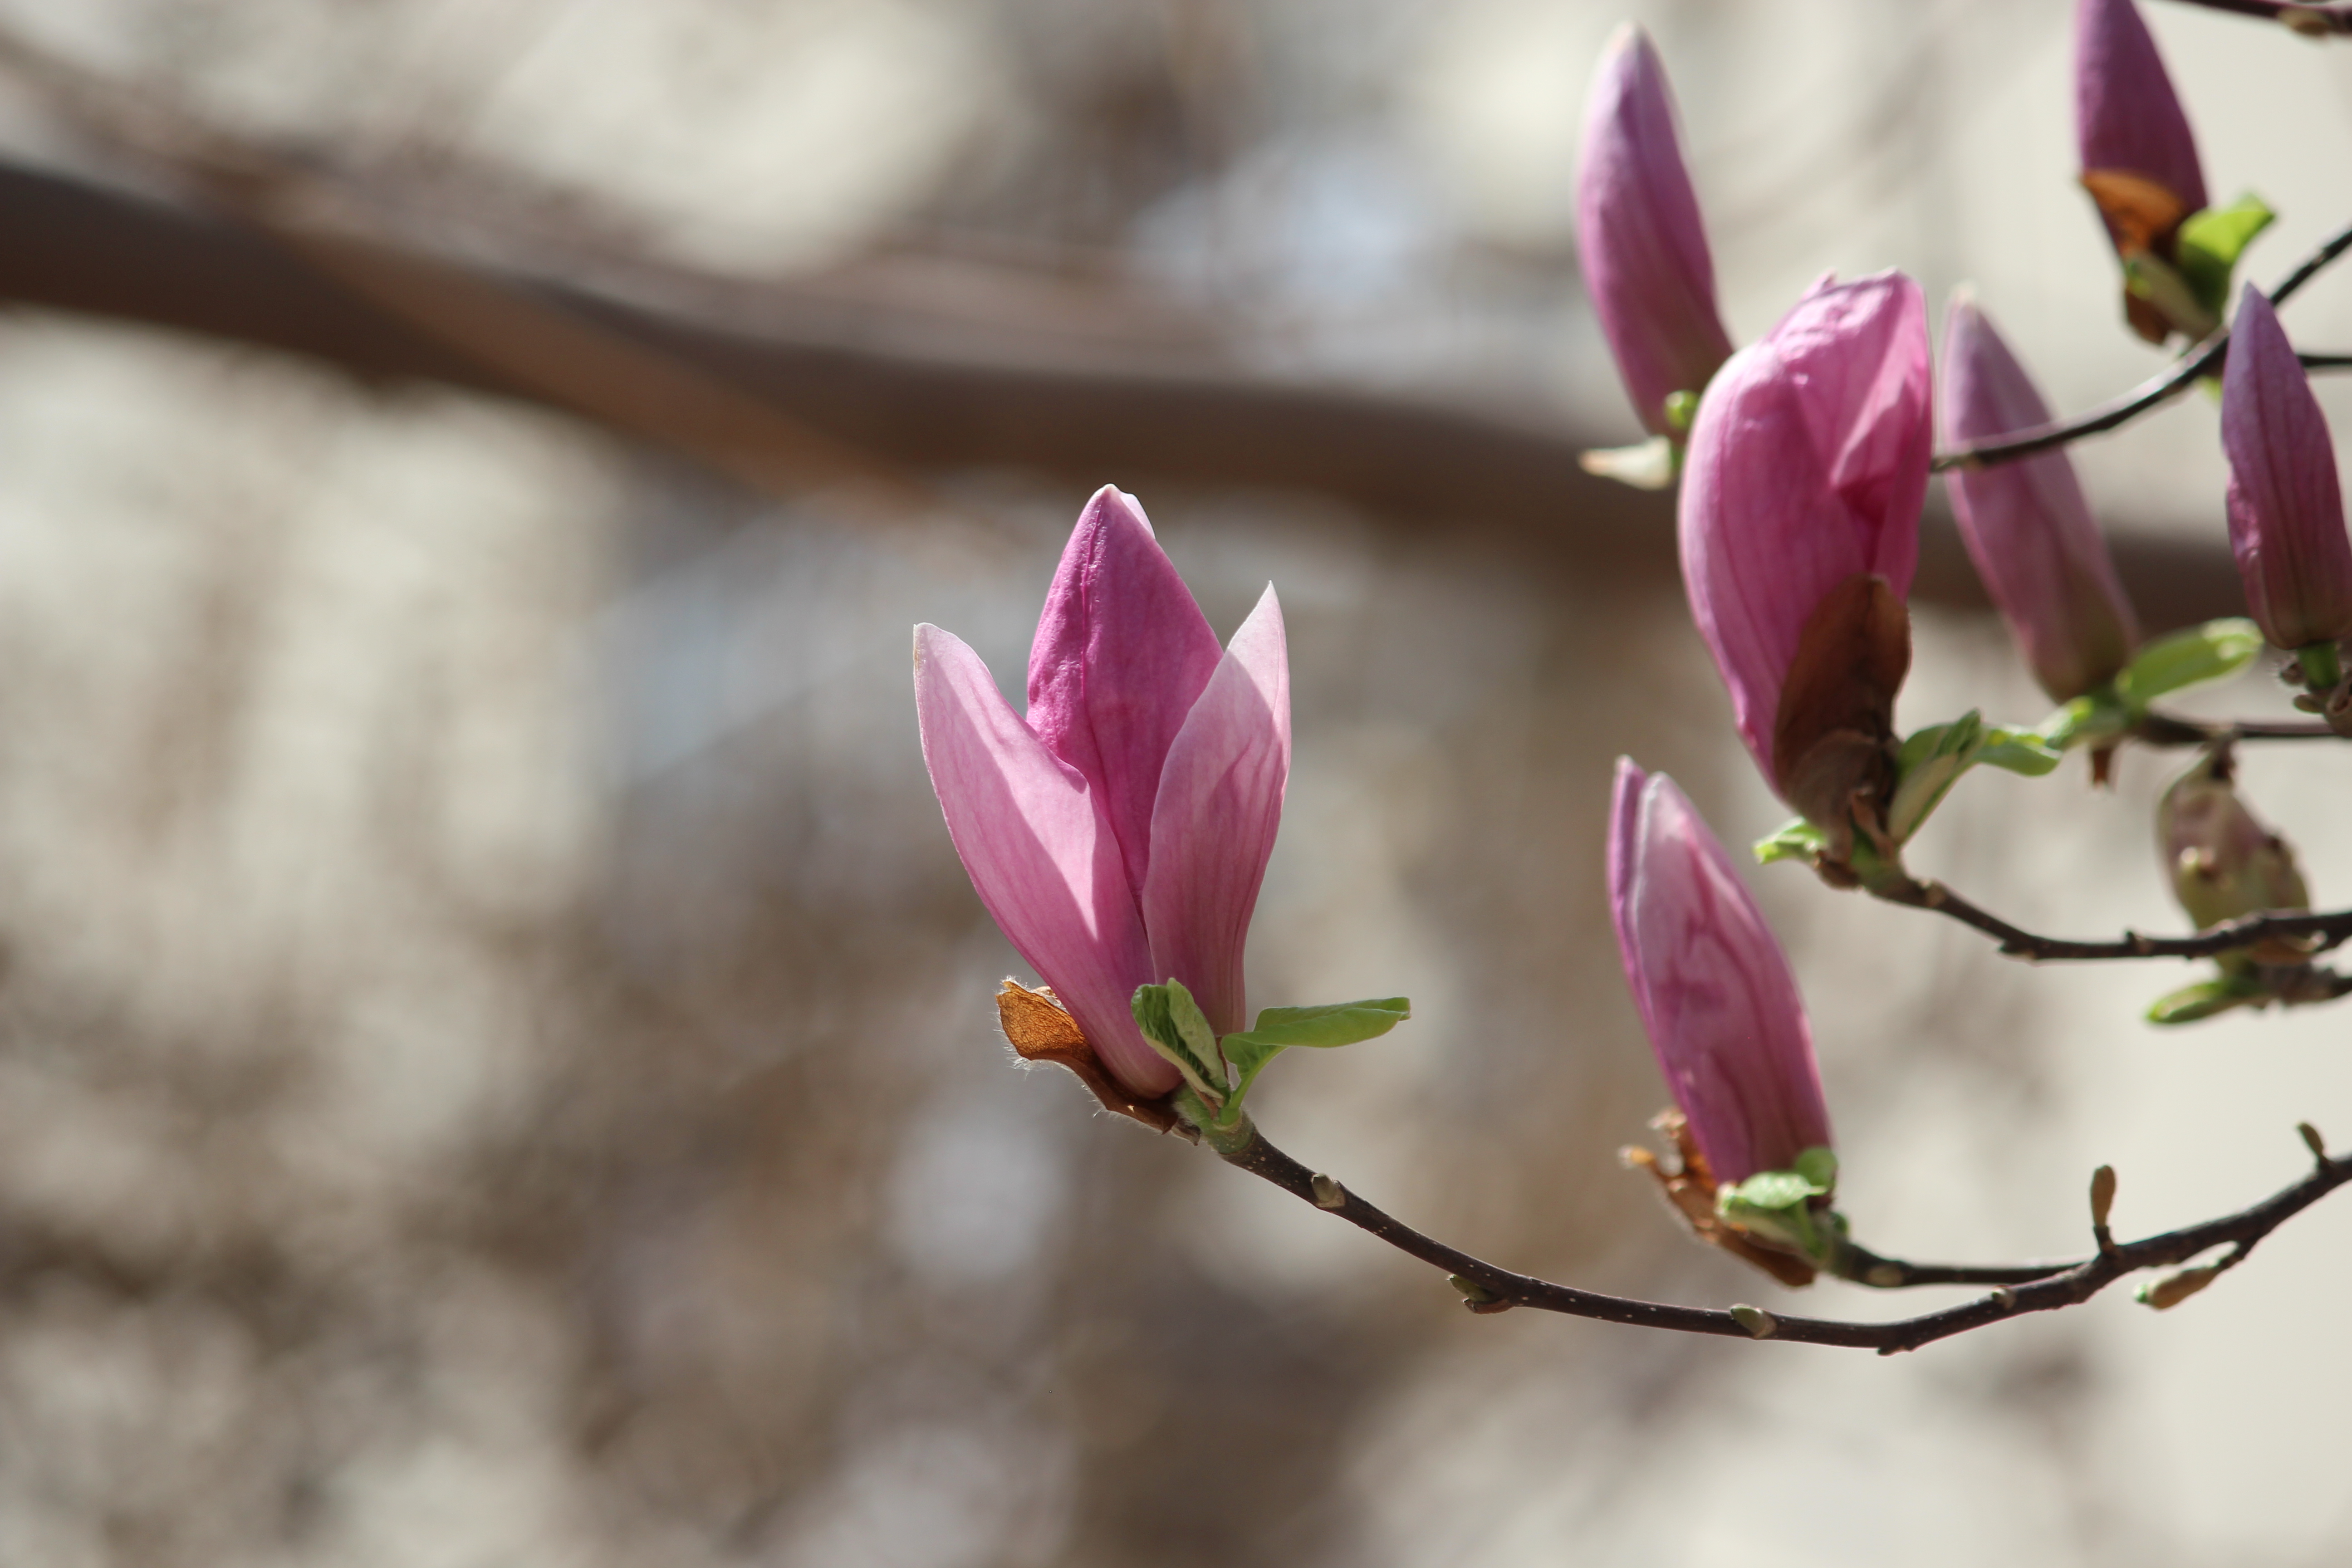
788, 386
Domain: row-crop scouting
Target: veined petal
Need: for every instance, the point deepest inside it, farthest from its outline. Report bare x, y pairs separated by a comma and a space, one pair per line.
1764, 536
2026, 524
2286, 503
1214, 824
1857, 354
1807, 466
1034, 839
1714, 988
1122, 655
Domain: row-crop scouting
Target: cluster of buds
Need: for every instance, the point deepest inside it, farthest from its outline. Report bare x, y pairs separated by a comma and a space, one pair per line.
1120, 830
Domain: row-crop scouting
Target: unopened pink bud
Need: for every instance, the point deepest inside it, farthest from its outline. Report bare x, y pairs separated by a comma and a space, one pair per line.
1714, 988
1638, 233
1801, 505
2026, 524
2287, 508
2127, 118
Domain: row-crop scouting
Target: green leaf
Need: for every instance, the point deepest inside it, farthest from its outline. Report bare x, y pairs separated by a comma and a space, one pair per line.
2205, 999
1795, 840
2020, 751
1779, 1205
2210, 243
1175, 1026
2211, 652
2151, 277
1681, 409
2093, 717
1930, 762
1333, 1024
1819, 1166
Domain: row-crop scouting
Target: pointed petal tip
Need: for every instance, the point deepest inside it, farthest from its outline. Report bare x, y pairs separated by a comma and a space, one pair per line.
1109, 501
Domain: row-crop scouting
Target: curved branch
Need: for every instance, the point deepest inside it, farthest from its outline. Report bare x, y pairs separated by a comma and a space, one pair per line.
2067, 1285
2202, 359
2313, 21
2331, 927
2156, 729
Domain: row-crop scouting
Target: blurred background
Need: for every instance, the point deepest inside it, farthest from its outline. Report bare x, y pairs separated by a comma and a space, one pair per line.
497, 1063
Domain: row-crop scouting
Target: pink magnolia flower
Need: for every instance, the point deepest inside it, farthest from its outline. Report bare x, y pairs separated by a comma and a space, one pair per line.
2026, 524
1808, 466
1119, 832
2287, 508
1713, 986
2127, 118
1638, 233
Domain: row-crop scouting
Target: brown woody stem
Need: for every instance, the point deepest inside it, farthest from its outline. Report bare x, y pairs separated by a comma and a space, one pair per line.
2205, 359
2029, 1288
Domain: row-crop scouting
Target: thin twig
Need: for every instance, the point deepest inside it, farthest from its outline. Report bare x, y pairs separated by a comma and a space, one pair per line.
1864, 1266
2202, 359
2070, 1285
2331, 927
2300, 14
2157, 728
2325, 361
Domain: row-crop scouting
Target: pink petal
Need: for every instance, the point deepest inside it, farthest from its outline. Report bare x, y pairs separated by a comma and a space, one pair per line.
1764, 537
1714, 988
2126, 115
1808, 464
1638, 233
1857, 355
1122, 655
2026, 524
1040, 853
2286, 504
1213, 825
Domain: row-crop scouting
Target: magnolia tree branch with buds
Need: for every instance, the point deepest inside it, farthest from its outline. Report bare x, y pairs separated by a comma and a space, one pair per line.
1118, 829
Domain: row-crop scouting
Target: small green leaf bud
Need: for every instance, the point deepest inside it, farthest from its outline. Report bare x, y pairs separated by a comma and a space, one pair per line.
1328, 1194
1756, 1321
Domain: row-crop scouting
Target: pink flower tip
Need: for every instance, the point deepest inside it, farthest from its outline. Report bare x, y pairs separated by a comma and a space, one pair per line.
1713, 987
1639, 236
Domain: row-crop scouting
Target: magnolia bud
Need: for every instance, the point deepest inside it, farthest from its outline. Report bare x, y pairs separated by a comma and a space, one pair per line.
2026, 524
1638, 237
1800, 531
2286, 507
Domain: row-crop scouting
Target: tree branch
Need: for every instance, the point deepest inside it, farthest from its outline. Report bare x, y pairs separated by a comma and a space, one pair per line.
2169, 729
2202, 359
2065, 1285
2311, 20
2331, 928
